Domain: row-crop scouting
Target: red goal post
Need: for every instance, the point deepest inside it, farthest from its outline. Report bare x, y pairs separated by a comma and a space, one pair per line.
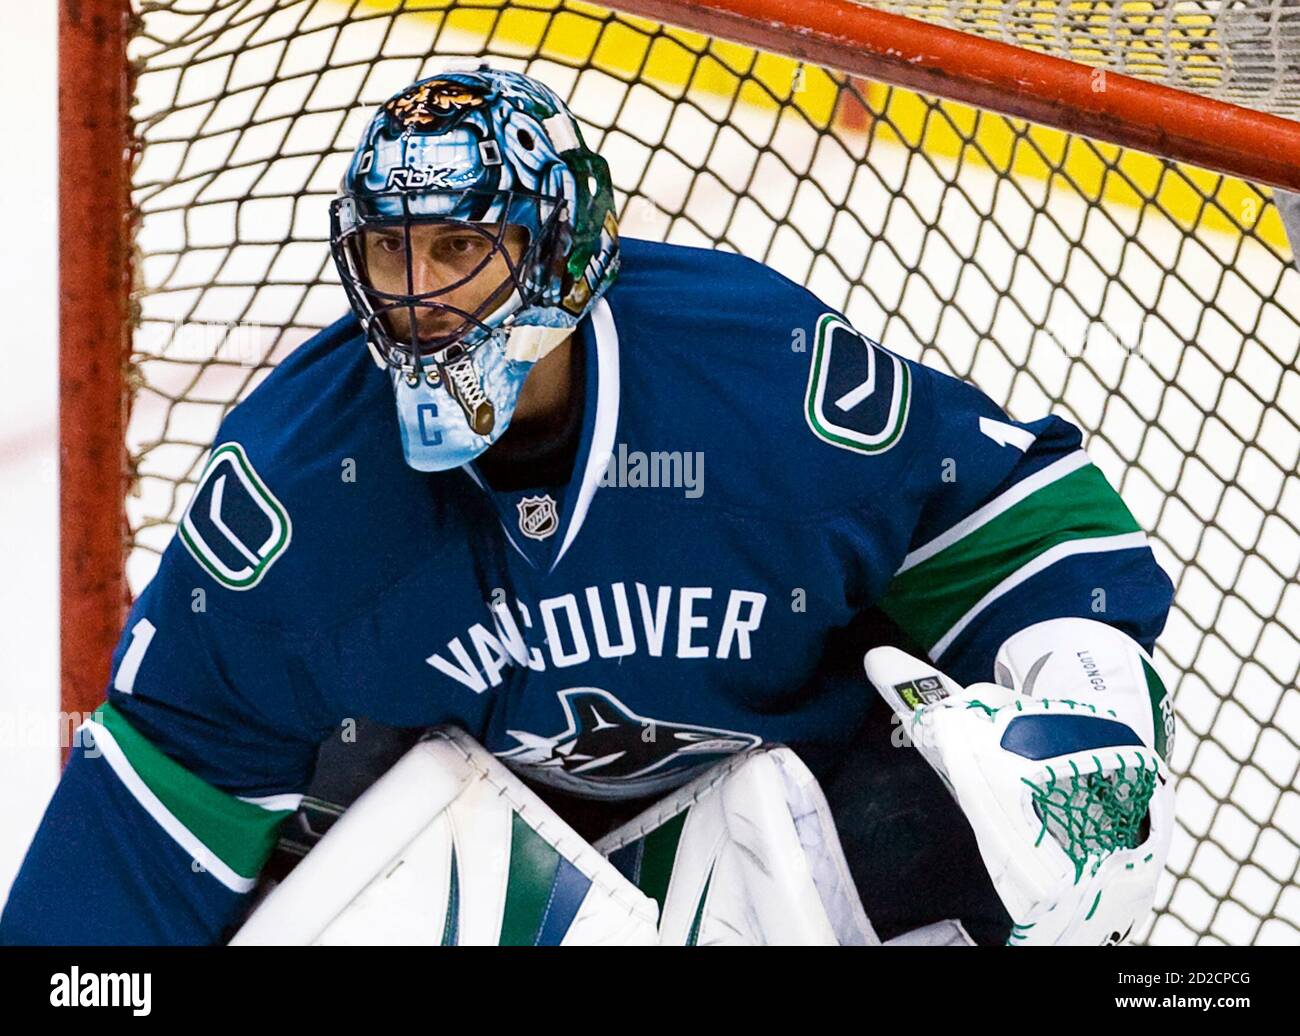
95, 283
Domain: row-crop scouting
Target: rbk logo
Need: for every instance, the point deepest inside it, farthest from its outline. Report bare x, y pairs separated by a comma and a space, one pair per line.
407, 178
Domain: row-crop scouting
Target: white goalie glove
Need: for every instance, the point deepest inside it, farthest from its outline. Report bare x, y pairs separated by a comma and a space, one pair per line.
1061, 770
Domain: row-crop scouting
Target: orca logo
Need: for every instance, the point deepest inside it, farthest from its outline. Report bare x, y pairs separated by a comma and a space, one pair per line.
608, 751
234, 526
858, 394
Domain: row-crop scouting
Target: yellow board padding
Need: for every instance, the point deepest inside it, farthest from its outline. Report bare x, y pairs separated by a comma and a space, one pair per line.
682, 63
1191, 197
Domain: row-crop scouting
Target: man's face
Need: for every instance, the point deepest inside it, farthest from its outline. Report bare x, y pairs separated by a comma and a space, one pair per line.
442, 254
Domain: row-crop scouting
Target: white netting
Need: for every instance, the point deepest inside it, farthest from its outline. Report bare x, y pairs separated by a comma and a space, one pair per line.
1153, 305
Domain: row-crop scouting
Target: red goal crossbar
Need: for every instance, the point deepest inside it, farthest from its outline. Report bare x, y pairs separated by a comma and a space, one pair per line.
1002, 78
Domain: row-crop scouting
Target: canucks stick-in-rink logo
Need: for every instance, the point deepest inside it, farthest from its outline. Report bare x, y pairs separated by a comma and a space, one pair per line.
858, 394
608, 751
234, 527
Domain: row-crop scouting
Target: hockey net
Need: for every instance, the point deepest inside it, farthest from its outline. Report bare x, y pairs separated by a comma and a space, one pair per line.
1153, 304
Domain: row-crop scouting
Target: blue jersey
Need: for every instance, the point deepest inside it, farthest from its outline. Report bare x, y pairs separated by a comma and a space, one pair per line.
753, 475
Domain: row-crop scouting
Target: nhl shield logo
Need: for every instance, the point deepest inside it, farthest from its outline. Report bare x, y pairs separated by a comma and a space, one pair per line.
538, 516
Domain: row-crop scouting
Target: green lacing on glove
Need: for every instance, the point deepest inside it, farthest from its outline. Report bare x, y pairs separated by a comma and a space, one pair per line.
1019, 932
988, 710
1092, 814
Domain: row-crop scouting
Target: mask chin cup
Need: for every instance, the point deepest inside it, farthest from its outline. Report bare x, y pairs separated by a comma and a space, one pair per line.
435, 432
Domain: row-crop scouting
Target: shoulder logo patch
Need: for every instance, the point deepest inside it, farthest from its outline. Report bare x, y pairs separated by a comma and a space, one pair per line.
234, 526
858, 394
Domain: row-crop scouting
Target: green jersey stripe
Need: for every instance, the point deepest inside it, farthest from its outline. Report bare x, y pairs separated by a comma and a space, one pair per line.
930, 597
229, 838
1095, 545
1003, 502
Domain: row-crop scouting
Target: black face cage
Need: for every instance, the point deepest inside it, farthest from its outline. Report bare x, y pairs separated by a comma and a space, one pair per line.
541, 264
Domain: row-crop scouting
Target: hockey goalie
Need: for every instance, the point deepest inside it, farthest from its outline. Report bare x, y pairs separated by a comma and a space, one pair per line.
622, 592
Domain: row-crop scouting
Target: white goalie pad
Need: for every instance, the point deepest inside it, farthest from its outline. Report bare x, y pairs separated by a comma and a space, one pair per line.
1062, 775
746, 854
939, 933
450, 848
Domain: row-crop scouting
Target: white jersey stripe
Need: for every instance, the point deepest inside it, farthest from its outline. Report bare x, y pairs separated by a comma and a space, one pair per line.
1025, 487
273, 803
606, 425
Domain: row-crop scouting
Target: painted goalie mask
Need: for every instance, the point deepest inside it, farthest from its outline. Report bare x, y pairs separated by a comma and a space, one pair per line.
498, 157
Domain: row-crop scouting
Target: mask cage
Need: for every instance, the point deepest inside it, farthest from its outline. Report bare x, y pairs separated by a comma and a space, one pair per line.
538, 267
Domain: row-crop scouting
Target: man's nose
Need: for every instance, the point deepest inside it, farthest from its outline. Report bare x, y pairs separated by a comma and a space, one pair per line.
426, 276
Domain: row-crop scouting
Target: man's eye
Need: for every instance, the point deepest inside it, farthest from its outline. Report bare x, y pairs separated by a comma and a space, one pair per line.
391, 245
465, 244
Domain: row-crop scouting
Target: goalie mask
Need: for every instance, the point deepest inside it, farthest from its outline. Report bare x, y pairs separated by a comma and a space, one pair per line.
472, 232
